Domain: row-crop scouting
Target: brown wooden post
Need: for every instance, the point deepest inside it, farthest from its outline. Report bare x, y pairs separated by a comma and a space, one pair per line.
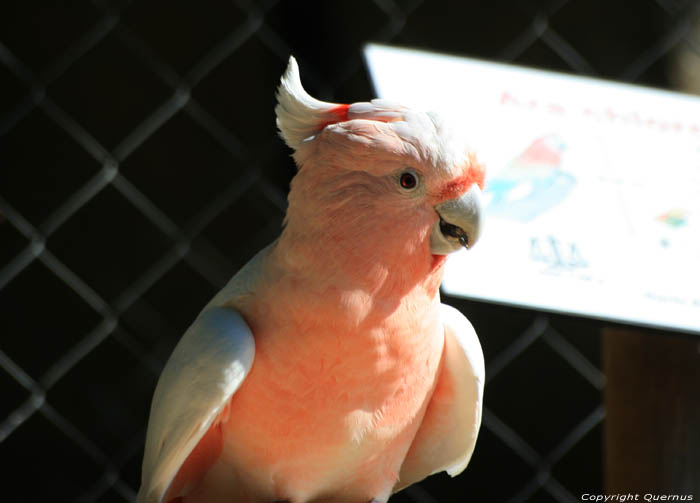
652, 424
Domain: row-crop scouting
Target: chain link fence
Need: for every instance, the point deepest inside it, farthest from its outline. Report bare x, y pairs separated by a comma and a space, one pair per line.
140, 168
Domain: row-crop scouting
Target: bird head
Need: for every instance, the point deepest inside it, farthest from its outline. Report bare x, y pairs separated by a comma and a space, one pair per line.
379, 173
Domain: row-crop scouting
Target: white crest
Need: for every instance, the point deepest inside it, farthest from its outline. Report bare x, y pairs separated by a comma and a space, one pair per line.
299, 115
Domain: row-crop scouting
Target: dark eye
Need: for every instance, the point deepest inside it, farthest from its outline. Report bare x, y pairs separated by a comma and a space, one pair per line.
408, 180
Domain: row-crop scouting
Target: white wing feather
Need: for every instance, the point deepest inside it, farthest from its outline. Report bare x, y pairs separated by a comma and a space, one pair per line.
472, 375
205, 369
447, 436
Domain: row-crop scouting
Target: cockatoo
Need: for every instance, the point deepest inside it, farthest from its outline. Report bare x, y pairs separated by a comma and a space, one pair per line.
327, 369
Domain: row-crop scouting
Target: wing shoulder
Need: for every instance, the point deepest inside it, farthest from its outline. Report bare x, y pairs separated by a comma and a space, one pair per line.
205, 369
244, 281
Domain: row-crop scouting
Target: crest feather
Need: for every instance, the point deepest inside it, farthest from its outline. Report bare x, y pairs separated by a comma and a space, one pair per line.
299, 115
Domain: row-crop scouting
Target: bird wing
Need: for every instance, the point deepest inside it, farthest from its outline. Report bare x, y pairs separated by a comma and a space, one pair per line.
447, 435
205, 369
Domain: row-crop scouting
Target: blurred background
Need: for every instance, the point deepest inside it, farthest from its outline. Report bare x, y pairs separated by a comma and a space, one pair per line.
140, 168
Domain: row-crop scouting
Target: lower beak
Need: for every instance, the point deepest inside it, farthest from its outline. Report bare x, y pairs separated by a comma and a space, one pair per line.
459, 224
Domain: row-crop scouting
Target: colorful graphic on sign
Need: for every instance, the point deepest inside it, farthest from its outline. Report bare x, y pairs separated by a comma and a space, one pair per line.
532, 183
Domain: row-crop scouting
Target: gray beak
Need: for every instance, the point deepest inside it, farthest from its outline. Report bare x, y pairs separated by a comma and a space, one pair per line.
460, 223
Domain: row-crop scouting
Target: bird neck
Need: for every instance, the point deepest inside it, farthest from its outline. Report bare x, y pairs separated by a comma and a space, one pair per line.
389, 259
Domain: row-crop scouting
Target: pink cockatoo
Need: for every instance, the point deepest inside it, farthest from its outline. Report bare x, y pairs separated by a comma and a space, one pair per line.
327, 369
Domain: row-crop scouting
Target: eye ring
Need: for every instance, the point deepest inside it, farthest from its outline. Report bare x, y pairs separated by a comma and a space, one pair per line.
408, 180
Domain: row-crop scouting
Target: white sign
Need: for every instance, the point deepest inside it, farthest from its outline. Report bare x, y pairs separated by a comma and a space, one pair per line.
592, 189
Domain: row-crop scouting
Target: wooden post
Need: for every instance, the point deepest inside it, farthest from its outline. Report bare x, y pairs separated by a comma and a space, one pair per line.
652, 424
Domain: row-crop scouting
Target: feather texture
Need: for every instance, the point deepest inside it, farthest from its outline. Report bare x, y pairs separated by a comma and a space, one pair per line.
362, 381
299, 115
206, 367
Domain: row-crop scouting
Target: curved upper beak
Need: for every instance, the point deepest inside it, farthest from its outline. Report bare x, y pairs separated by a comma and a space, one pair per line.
460, 223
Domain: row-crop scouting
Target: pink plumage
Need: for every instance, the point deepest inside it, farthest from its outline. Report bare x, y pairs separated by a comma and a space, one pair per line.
361, 381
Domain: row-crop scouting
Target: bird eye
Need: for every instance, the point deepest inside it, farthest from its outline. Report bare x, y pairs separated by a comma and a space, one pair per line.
408, 180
